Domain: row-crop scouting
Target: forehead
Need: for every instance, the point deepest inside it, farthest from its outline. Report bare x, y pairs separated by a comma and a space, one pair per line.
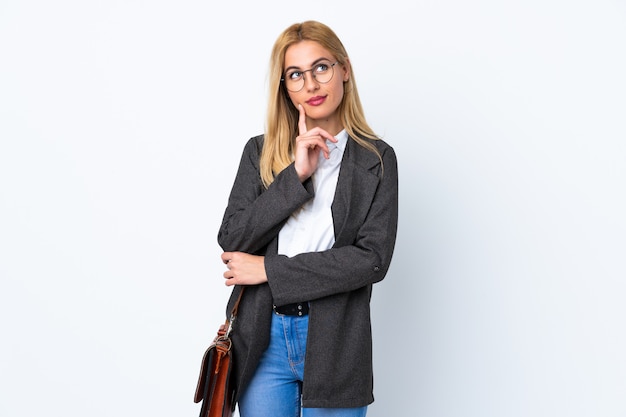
304, 53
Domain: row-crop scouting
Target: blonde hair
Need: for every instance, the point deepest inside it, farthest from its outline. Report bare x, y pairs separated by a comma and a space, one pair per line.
282, 117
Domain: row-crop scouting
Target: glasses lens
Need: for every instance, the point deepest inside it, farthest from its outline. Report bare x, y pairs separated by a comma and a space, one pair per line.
324, 72
294, 84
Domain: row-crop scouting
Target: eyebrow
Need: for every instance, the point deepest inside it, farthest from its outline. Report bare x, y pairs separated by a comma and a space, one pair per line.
317, 61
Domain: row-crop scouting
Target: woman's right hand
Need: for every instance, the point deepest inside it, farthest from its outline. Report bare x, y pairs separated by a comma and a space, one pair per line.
308, 146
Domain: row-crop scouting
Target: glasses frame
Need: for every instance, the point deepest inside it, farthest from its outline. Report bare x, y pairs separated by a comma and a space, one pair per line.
332, 68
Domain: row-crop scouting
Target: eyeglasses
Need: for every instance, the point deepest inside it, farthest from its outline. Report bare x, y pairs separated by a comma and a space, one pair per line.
322, 72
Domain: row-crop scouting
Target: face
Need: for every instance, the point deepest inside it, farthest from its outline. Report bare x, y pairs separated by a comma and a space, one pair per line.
320, 100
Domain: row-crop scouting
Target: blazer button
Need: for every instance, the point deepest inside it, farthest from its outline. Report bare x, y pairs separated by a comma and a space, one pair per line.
376, 268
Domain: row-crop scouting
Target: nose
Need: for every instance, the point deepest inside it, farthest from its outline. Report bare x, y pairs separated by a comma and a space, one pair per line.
310, 83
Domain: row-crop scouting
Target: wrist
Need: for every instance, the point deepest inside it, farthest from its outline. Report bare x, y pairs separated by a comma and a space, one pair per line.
302, 174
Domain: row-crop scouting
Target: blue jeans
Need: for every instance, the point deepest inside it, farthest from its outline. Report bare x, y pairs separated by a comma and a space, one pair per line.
276, 386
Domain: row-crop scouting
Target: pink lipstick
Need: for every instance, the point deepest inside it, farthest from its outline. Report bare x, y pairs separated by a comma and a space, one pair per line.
316, 101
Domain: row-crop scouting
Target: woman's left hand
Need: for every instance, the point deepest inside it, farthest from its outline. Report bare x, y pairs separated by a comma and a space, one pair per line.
244, 269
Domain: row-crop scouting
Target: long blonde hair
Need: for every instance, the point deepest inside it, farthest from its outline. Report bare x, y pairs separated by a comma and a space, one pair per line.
282, 117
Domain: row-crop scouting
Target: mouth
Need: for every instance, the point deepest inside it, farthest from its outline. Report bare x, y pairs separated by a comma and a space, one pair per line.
316, 101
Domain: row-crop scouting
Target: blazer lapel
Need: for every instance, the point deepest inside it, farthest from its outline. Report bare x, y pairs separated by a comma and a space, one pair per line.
355, 191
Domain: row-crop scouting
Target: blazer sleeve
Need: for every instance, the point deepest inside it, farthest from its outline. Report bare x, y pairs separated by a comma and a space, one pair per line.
361, 260
255, 215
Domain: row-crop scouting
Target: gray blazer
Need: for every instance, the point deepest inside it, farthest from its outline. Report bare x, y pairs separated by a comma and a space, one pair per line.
337, 282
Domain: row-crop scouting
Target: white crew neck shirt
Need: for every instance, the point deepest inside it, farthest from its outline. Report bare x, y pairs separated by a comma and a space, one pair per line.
311, 229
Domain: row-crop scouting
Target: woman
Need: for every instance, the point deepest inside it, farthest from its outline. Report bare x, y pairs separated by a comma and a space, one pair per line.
309, 227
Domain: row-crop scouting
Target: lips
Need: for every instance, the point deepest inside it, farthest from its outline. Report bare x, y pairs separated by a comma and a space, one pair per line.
316, 101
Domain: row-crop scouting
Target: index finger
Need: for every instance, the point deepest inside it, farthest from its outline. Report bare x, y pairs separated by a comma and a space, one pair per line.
302, 120
226, 257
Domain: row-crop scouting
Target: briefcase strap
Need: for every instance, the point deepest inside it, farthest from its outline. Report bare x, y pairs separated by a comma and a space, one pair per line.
228, 326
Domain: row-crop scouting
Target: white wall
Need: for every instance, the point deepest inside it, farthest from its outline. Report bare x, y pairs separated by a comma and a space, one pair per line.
121, 126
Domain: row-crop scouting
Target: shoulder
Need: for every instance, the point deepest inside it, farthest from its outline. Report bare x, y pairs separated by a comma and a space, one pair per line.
375, 152
255, 144
252, 149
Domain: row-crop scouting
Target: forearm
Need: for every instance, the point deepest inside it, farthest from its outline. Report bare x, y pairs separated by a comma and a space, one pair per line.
314, 275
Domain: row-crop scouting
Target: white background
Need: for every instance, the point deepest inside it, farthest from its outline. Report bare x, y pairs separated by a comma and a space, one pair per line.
121, 126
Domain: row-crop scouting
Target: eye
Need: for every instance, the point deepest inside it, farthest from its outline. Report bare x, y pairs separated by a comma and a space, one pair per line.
321, 68
294, 75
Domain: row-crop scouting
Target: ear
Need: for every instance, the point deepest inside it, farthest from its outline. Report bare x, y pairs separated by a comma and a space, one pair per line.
346, 70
